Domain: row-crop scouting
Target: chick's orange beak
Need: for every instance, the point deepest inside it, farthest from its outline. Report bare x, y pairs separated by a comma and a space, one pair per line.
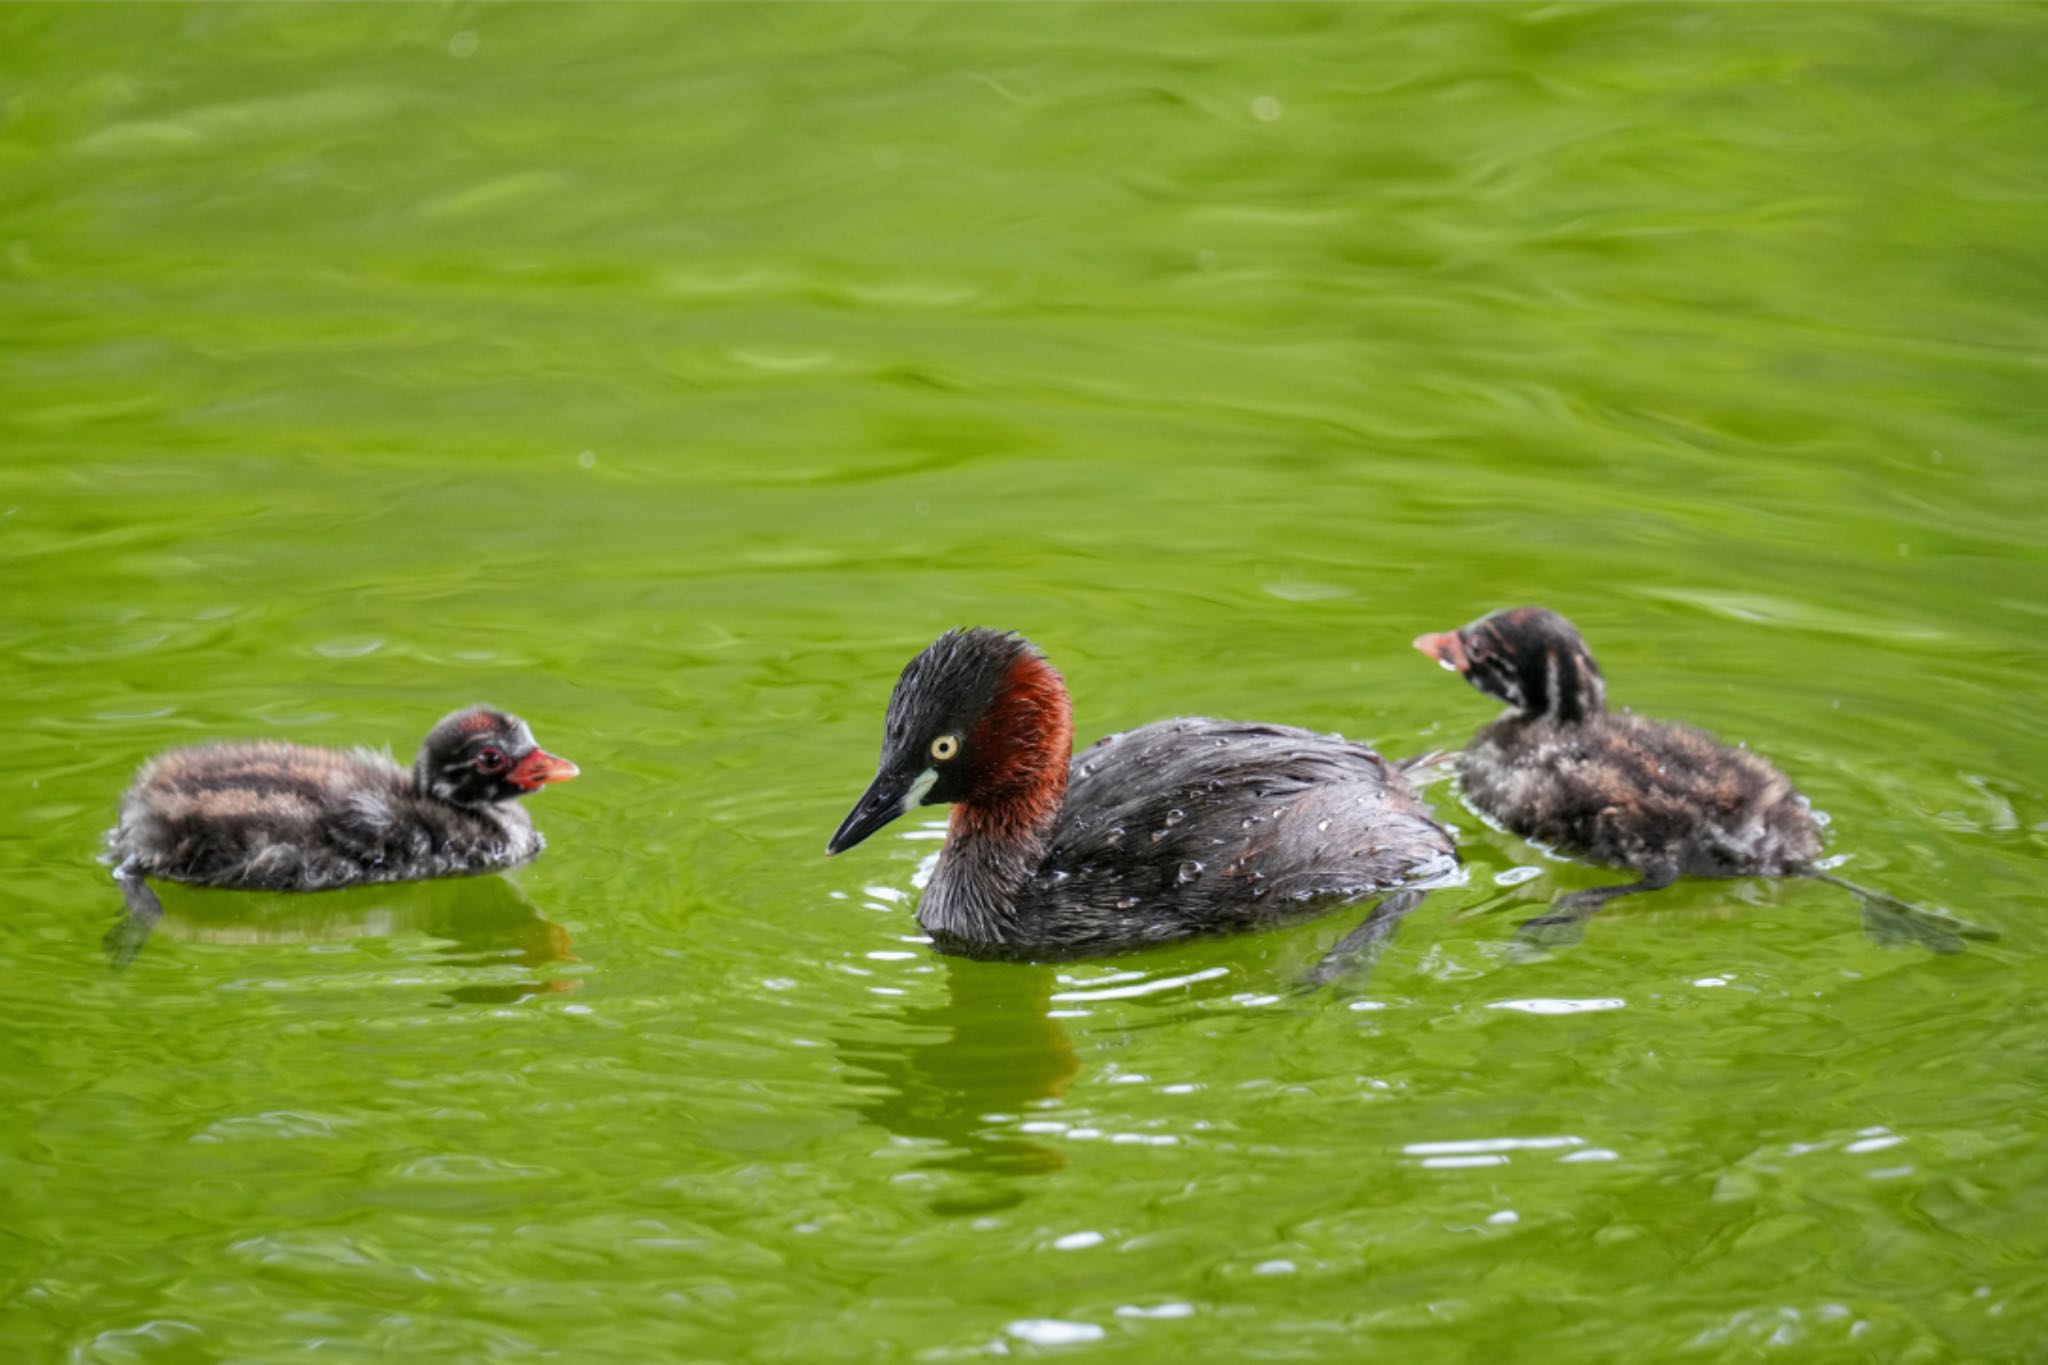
1446, 648
538, 769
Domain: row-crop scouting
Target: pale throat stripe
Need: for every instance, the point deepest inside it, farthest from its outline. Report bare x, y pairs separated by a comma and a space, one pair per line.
914, 798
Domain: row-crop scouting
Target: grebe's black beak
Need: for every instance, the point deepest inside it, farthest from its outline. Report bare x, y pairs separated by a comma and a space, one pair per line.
888, 796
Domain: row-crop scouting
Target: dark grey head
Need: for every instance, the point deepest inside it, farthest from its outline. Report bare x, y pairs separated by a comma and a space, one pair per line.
1529, 657
978, 717
481, 757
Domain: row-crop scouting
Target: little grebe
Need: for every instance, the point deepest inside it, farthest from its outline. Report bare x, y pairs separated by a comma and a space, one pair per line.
266, 815
1178, 828
1660, 799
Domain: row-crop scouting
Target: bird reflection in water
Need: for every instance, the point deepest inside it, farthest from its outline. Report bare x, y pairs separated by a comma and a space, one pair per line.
483, 922
938, 1072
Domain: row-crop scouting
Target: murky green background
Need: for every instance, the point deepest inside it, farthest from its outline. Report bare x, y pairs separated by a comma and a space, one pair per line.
671, 374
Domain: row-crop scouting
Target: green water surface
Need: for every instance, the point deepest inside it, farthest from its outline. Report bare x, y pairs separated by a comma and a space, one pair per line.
670, 374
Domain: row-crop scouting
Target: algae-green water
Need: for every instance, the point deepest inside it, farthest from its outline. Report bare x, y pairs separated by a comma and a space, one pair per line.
671, 374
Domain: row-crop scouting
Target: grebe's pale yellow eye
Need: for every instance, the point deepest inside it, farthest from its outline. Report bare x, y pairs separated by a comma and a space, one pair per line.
945, 746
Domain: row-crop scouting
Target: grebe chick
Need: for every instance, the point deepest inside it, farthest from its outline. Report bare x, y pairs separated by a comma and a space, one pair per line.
1660, 799
267, 815
1179, 828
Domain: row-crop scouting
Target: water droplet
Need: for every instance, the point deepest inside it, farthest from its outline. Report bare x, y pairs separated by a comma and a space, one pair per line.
1175, 816
1322, 825
1189, 870
1159, 834
1127, 903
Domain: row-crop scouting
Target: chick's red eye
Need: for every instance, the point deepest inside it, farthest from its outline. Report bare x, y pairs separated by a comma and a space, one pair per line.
490, 760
